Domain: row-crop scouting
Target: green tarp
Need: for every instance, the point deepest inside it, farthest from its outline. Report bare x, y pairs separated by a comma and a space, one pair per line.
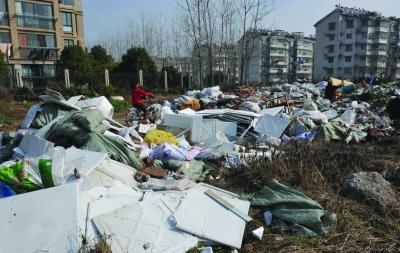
49, 112
85, 130
303, 215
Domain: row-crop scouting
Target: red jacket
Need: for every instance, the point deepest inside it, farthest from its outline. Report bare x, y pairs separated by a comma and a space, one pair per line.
138, 94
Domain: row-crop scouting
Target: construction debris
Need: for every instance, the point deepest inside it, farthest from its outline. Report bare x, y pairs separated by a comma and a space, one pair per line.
72, 172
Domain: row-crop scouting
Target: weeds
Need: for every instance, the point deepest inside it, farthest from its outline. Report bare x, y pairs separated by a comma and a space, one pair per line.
318, 169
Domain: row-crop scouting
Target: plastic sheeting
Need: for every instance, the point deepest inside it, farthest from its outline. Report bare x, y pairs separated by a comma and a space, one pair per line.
305, 215
271, 125
85, 130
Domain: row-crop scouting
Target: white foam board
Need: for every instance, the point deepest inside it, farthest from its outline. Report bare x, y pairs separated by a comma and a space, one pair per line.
201, 215
101, 200
40, 221
145, 226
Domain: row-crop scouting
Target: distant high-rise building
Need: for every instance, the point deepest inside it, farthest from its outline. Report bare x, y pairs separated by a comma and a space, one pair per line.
277, 56
33, 33
351, 43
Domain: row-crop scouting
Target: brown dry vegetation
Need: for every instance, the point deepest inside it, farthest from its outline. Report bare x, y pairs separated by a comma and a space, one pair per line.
317, 169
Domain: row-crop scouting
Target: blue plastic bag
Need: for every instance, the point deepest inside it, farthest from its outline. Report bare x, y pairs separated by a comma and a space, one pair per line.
5, 191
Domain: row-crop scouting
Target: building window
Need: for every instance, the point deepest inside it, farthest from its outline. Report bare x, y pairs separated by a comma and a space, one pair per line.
329, 71
332, 26
34, 15
67, 2
347, 59
331, 48
5, 37
38, 70
349, 36
3, 13
68, 43
331, 37
348, 70
67, 22
350, 24
330, 59
363, 46
349, 47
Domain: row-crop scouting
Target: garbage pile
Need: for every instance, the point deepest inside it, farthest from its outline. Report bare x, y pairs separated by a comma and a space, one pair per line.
71, 175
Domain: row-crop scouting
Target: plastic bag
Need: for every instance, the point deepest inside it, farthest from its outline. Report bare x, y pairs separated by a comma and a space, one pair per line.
6, 191
18, 179
160, 137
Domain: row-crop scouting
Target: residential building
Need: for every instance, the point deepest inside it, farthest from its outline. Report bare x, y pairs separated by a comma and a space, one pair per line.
352, 43
33, 33
277, 56
223, 65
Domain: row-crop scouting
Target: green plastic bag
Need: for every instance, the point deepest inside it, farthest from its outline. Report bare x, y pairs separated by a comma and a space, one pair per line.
18, 179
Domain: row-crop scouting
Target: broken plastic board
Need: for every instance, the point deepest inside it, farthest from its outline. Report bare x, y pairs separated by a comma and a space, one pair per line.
109, 170
101, 200
41, 221
193, 122
271, 126
228, 205
82, 160
200, 215
211, 126
146, 227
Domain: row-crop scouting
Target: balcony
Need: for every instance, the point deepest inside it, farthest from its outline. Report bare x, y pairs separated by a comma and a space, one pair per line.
70, 3
4, 19
41, 22
39, 53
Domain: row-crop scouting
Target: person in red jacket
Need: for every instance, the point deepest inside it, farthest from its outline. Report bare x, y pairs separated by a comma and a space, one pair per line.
138, 94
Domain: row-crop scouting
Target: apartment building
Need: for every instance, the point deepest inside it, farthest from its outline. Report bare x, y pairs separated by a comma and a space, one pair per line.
352, 43
33, 33
277, 56
223, 64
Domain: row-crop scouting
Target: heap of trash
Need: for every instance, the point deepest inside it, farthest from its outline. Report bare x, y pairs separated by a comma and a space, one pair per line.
71, 175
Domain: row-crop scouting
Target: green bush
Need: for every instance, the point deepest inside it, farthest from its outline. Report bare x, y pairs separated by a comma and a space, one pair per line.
119, 106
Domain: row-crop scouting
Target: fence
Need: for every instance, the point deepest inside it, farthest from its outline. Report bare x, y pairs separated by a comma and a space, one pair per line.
159, 82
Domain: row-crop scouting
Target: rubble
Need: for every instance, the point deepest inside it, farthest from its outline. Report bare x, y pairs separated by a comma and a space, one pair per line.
373, 188
141, 184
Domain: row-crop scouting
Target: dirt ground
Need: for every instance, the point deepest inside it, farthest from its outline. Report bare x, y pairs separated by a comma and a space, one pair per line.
316, 169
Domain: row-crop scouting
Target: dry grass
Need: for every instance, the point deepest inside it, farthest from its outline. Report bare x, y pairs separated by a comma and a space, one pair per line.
318, 169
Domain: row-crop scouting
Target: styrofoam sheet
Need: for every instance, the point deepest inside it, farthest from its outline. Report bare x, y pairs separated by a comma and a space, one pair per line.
40, 221
100, 103
200, 215
82, 160
210, 127
109, 170
101, 200
271, 125
145, 226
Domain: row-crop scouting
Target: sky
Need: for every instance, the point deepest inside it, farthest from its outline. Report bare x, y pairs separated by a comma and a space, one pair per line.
290, 15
